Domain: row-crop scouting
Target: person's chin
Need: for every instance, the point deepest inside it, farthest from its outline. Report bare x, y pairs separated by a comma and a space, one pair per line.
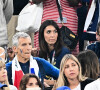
27, 56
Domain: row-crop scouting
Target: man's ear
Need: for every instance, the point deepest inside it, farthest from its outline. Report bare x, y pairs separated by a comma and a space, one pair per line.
14, 49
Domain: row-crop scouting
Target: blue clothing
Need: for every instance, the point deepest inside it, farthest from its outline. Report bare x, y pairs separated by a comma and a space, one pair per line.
25, 67
89, 34
45, 68
96, 48
2, 85
60, 56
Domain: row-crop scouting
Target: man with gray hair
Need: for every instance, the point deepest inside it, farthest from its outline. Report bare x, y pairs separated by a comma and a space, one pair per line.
24, 63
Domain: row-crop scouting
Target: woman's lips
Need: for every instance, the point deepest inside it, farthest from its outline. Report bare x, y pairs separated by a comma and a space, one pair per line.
4, 75
72, 74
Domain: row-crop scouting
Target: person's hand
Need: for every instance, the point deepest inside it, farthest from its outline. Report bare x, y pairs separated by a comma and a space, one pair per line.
49, 82
34, 52
46, 85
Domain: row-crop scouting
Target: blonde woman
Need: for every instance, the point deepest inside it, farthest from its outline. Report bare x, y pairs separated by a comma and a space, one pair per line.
70, 74
3, 76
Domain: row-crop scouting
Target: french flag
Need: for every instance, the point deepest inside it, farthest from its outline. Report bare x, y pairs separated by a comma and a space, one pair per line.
18, 77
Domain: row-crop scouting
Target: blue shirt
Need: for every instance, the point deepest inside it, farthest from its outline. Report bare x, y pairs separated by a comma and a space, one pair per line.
45, 68
96, 48
60, 56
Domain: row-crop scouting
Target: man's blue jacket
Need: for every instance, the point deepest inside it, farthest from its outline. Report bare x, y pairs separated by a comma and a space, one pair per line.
45, 68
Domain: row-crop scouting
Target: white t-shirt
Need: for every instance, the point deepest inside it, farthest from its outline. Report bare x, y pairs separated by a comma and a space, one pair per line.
95, 85
77, 88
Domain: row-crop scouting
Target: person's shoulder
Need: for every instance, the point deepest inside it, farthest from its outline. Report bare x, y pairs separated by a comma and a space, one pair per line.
65, 49
93, 85
8, 65
12, 87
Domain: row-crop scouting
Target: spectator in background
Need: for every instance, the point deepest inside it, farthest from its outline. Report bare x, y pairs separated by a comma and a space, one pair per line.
70, 74
18, 6
90, 64
11, 54
30, 82
6, 11
4, 77
96, 46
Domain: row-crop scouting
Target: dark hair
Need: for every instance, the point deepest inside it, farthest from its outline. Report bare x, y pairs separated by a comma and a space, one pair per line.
44, 50
37, 1
90, 63
98, 27
73, 3
25, 80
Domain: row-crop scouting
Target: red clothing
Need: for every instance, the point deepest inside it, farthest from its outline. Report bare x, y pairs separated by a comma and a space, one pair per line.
50, 11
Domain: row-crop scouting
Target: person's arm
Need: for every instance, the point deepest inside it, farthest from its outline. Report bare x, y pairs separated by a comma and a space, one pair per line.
8, 9
49, 68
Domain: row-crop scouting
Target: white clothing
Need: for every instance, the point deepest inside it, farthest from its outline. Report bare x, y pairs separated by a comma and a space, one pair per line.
12, 87
78, 87
6, 11
95, 85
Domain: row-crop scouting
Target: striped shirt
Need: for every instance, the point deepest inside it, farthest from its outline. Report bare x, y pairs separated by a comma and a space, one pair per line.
50, 11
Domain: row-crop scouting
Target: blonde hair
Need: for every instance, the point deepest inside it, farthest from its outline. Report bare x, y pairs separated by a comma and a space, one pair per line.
2, 64
61, 79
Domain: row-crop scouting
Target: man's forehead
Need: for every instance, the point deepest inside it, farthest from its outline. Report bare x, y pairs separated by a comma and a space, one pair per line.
24, 40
